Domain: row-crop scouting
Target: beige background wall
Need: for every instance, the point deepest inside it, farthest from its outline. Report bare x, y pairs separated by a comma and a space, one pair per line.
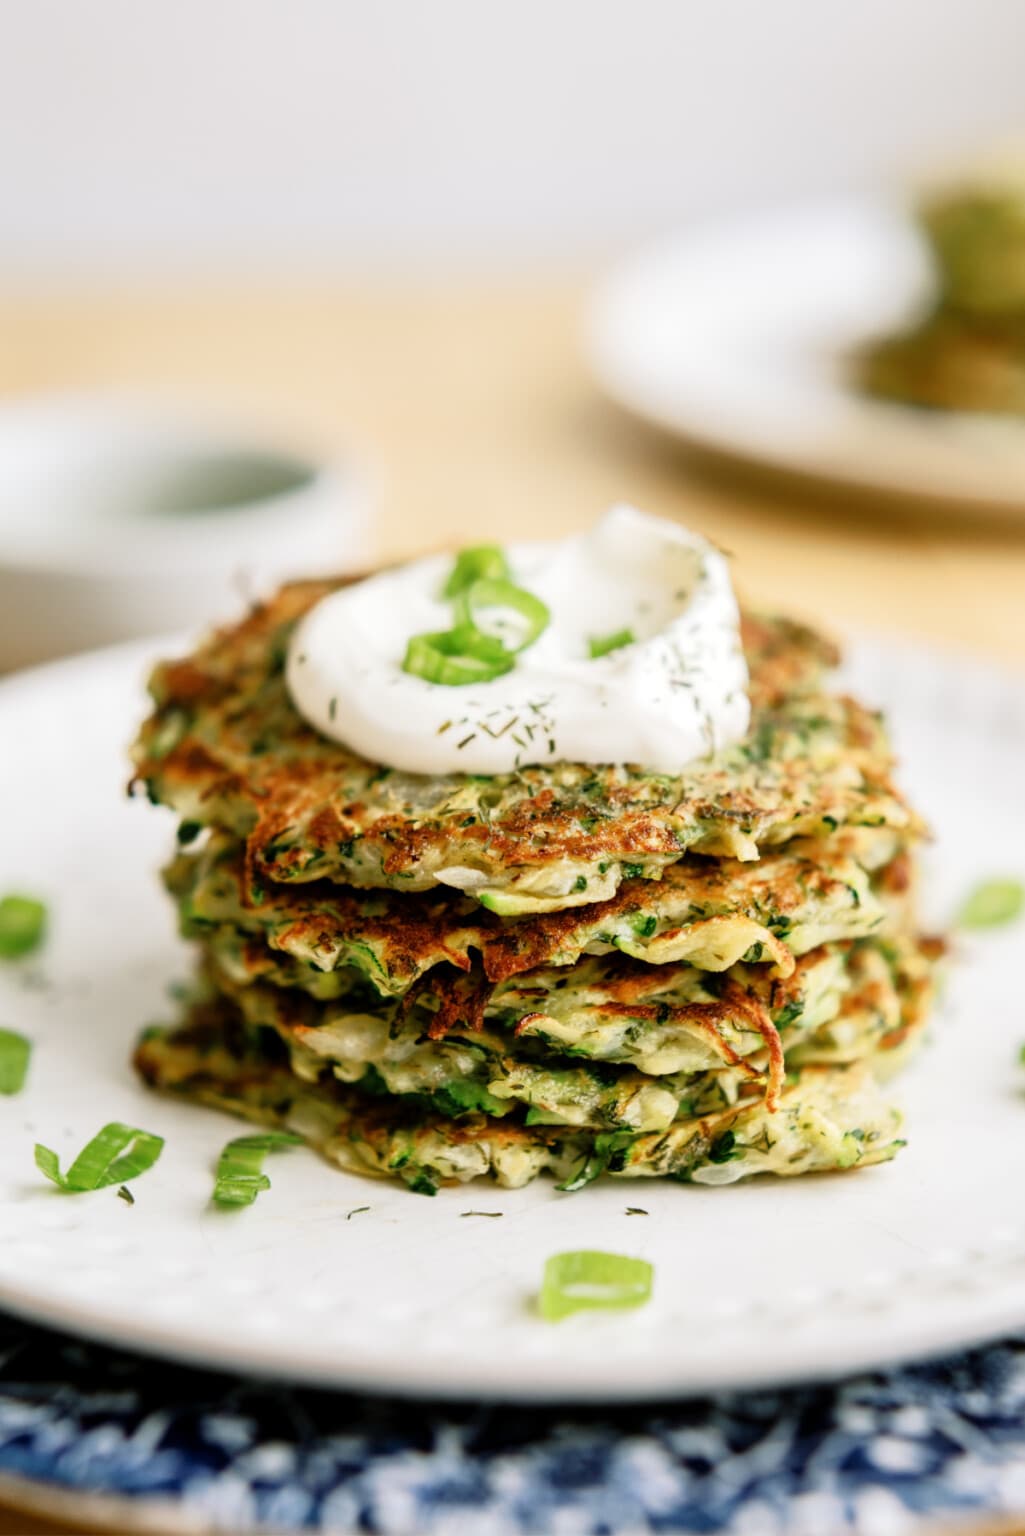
339, 134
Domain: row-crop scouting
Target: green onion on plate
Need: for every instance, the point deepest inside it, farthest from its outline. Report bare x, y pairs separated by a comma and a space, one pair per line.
115, 1155
992, 903
240, 1175
586, 1280
22, 925
15, 1051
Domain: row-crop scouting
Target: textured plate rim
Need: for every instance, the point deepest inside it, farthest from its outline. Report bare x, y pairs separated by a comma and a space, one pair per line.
419, 1381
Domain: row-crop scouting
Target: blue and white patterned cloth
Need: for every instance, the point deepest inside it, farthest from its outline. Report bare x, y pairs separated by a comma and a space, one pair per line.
876, 1455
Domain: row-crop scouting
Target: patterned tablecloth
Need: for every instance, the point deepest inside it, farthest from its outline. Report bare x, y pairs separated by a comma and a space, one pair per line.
874, 1455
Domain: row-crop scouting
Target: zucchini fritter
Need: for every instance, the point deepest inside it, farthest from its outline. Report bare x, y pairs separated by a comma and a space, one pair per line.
596, 1054
711, 913
827, 1118
225, 746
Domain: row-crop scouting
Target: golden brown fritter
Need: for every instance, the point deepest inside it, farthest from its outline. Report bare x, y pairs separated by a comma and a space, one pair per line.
709, 912
827, 1118
609, 1043
225, 746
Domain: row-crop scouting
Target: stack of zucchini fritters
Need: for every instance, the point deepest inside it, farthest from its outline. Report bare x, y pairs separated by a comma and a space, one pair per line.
698, 977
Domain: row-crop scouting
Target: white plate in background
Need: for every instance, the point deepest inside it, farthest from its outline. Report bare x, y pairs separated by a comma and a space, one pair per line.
735, 337
758, 1282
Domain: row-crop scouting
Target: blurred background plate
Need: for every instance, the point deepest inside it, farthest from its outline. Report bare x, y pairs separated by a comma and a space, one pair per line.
737, 337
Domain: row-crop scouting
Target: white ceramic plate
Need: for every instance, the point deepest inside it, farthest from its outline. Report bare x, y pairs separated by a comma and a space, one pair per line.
734, 337
753, 1283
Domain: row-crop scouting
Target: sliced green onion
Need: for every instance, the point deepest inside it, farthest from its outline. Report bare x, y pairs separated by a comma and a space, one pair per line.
115, 1155
457, 656
15, 1051
240, 1176
601, 645
470, 652
582, 1281
992, 903
472, 565
22, 925
492, 594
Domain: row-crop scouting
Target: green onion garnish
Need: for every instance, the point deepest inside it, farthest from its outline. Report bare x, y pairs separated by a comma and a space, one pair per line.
473, 564
601, 645
470, 652
503, 595
992, 903
15, 1051
115, 1155
240, 1175
22, 925
575, 1282
457, 656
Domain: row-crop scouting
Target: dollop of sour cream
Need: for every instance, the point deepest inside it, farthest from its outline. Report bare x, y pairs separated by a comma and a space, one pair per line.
675, 694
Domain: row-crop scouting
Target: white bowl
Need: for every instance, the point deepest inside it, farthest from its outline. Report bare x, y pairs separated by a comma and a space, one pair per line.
122, 517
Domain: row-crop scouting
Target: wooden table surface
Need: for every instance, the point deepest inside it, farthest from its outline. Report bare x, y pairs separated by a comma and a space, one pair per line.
471, 414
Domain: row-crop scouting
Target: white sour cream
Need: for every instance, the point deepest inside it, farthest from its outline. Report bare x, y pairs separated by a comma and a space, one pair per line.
676, 694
